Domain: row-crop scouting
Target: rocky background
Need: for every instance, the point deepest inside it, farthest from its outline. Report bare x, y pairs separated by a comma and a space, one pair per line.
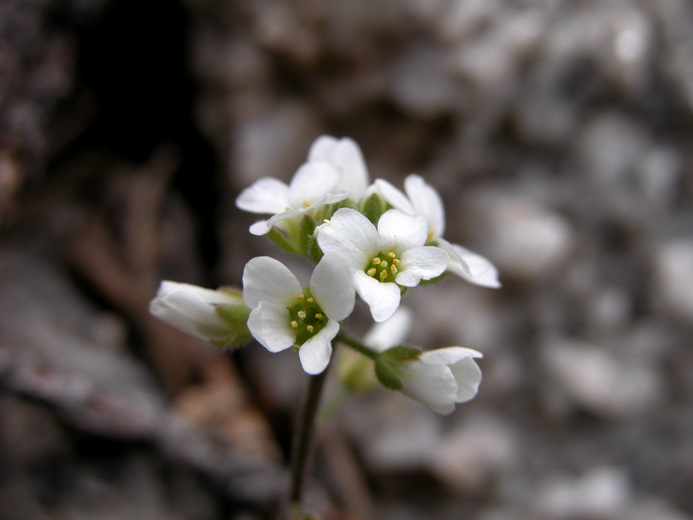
559, 133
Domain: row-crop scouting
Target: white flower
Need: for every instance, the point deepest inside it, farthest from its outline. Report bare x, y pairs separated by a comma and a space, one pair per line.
313, 185
440, 378
284, 314
422, 199
344, 155
385, 258
193, 309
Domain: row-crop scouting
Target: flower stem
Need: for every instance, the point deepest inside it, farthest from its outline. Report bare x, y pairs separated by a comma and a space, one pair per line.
358, 346
302, 441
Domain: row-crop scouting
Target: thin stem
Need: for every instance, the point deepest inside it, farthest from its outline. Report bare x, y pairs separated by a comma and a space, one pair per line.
302, 441
358, 346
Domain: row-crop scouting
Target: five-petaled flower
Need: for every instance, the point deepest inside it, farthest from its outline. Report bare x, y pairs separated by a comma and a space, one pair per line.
284, 314
385, 258
423, 199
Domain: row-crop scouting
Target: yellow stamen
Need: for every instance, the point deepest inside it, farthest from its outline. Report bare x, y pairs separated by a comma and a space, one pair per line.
383, 263
300, 296
383, 274
391, 254
393, 269
302, 315
395, 261
309, 328
376, 261
291, 307
294, 324
371, 271
318, 316
311, 300
306, 204
430, 233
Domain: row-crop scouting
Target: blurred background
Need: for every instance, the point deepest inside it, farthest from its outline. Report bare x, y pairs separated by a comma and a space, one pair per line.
559, 134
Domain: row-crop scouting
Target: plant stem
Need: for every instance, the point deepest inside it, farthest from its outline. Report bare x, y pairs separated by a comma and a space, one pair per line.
302, 441
358, 346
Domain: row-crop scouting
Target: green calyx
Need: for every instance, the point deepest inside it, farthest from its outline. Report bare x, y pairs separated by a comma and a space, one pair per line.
385, 365
237, 333
373, 207
306, 317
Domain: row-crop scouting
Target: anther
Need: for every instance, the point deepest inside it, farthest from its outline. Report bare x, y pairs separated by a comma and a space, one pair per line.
383, 274
393, 269
376, 261
395, 261
371, 271
391, 254
383, 263
291, 307
318, 316
309, 328
294, 324
430, 233
300, 296
311, 300
302, 315
306, 204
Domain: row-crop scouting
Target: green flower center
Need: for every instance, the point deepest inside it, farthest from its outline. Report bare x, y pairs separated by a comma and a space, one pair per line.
306, 317
383, 267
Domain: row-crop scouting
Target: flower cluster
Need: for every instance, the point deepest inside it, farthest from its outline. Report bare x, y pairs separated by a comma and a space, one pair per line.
366, 239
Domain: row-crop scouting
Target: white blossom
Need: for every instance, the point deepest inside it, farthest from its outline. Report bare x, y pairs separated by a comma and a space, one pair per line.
423, 199
193, 309
385, 258
313, 185
284, 314
440, 378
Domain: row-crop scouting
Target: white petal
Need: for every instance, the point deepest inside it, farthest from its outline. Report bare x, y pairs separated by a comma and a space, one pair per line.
259, 228
208, 296
269, 325
315, 353
396, 227
426, 202
433, 385
448, 355
311, 182
395, 197
352, 235
391, 332
421, 263
354, 177
332, 285
322, 147
473, 267
267, 279
468, 376
267, 195
382, 298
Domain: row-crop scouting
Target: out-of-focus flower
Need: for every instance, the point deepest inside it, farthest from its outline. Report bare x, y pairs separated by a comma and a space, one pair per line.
218, 316
284, 314
382, 259
423, 199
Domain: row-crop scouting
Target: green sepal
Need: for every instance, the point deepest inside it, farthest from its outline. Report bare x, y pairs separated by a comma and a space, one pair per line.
280, 239
237, 334
373, 207
401, 353
346, 203
386, 374
307, 242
